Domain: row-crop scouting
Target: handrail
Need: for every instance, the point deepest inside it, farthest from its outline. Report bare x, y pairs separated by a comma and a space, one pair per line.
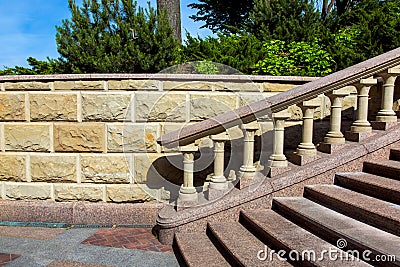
279, 102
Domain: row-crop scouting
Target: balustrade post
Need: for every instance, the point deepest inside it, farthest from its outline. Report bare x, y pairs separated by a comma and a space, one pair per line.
247, 170
361, 128
334, 138
187, 192
277, 161
306, 151
218, 184
386, 113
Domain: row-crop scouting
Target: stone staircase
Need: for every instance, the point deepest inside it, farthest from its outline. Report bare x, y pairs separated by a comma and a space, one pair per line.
359, 212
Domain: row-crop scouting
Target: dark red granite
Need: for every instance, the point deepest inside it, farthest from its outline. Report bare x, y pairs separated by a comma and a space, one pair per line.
6, 258
130, 238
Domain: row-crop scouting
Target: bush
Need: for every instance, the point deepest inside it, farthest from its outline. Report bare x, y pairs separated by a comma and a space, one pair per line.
295, 59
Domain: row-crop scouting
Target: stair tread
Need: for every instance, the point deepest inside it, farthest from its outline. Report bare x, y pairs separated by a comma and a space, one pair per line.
242, 244
315, 216
284, 234
198, 250
376, 185
372, 210
387, 168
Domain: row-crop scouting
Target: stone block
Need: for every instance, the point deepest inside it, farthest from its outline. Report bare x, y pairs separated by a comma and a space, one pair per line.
248, 98
27, 86
79, 192
27, 191
238, 87
53, 168
134, 85
79, 85
27, 137
132, 137
12, 167
209, 105
12, 107
170, 127
143, 167
127, 193
106, 107
53, 107
159, 170
349, 106
187, 85
277, 87
160, 107
105, 168
79, 137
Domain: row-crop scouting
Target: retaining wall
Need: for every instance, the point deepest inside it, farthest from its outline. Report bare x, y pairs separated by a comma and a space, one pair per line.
93, 137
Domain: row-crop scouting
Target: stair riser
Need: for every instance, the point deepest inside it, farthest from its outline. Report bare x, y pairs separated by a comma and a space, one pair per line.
272, 242
357, 213
223, 249
395, 155
368, 189
178, 254
325, 233
385, 171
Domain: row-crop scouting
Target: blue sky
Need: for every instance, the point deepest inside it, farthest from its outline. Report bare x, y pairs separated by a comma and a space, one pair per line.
27, 28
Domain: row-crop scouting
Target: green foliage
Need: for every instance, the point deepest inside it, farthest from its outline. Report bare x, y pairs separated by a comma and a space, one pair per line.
51, 66
286, 20
115, 36
240, 52
228, 16
295, 58
205, 67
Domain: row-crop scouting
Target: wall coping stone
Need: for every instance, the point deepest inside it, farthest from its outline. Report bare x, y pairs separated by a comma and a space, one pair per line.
157, 76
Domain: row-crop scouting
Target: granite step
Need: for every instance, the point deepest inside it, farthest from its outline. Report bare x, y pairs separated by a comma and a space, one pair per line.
395, 154
242, 246
386, 168
197, 250
282, 234
372, 185
381, 214
336, 227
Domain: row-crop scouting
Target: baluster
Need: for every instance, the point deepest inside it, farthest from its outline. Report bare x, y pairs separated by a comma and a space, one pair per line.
187, 192
218, 183
361, 128
306, 151
247, 170
277, 161
334, 138
386, 115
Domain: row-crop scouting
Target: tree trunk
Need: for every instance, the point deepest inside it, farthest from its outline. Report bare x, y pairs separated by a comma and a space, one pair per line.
174, 15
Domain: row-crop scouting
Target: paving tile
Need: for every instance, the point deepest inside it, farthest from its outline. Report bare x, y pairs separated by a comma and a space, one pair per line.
130, 238
6, 258
39, 233
61, 263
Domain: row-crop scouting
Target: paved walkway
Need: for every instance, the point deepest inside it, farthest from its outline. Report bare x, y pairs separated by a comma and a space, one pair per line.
86, 247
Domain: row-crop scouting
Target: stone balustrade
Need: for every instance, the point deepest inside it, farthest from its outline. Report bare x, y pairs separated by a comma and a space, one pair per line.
306, 151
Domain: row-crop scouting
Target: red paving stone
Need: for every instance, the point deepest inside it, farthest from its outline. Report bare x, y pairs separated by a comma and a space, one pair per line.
130, 238
6, 258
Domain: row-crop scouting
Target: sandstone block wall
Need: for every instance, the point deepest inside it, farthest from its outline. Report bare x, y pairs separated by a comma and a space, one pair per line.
95, 140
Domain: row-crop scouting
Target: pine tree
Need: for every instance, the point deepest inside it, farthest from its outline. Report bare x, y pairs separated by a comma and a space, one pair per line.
173, 9
227, 16
114, 36
285, 20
